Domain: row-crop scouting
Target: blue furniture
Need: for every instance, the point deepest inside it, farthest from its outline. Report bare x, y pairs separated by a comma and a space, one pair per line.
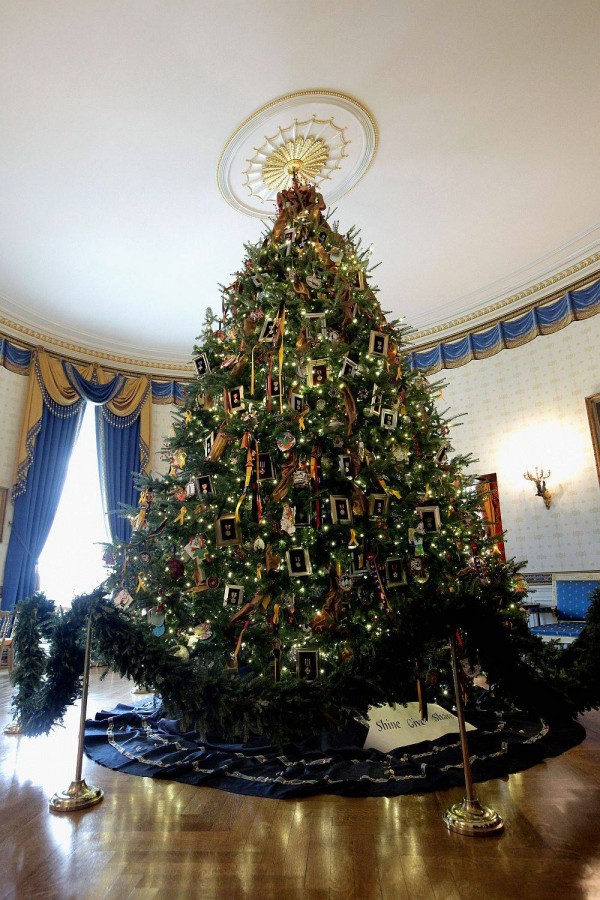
571, 599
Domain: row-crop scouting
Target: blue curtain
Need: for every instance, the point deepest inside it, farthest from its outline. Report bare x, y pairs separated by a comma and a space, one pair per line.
118, 448
35, 509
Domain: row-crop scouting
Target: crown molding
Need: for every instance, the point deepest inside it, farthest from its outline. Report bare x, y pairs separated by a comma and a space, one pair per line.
28, 335
555, 273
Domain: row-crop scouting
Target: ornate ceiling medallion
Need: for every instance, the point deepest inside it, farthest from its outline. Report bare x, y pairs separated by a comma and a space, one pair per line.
311, 150
326, 136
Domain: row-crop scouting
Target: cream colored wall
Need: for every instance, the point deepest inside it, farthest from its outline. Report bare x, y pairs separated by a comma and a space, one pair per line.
13, 392
161, 424
526, 408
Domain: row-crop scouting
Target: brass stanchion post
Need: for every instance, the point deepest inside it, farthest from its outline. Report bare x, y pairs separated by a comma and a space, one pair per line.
468, 817
79, 795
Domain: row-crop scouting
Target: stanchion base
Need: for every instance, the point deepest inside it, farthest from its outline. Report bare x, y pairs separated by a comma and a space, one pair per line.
13, 728
141, 692
470, 817
78, 795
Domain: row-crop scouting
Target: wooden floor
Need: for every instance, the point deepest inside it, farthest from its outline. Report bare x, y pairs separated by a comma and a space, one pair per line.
152, 839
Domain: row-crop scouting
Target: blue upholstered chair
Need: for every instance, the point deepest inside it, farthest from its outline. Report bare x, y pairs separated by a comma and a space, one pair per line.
571, 598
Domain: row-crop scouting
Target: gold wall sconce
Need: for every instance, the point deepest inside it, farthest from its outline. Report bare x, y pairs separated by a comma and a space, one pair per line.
540, 483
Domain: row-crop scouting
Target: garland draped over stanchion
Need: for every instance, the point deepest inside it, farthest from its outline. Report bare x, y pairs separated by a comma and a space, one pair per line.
553, 684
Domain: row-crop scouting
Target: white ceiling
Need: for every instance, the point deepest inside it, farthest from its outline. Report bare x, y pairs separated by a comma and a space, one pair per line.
113, 114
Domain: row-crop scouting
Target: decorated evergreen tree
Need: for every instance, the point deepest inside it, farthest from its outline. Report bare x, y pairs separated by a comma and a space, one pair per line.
315, 537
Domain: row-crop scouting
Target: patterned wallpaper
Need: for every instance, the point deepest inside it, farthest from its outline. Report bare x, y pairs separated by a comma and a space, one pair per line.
13, 392
525, 407
161, 423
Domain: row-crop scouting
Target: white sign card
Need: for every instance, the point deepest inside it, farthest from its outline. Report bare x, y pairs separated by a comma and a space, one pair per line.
400, 726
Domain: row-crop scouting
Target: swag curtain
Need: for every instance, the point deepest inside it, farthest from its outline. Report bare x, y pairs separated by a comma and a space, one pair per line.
55, 403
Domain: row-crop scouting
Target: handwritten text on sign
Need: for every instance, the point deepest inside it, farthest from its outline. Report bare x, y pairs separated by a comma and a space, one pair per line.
401, 726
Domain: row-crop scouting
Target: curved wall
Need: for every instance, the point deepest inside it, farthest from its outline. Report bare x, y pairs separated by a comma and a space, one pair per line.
525, 408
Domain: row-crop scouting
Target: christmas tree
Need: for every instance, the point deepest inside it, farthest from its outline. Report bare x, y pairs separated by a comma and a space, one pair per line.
316, 536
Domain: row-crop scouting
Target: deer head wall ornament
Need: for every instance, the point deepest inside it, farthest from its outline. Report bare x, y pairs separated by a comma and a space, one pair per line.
540, 482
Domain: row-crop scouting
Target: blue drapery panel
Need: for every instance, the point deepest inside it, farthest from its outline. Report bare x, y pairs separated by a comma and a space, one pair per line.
34, 510
169, 392
17, 359
118, 448
509, 333
90, 389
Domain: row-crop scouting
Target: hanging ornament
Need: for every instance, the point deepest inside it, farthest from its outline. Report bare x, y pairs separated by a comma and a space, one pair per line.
375, 575
155, 617
108, 557
200, 634
285, 441
175, 568
418, 572
181, 652
123, 599
273, 559
287, 519
259, 545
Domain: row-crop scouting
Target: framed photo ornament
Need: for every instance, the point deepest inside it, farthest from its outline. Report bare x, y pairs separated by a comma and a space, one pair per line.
204, 485
236, 399
227, 532
317, 372
268, 331
378, 505
378, 343
395, 572
345, 464
430, 518
266, 469
349, 368
297, 404
389, 419
307, 664
376, 401
234, 594
208, 443
202, 364
298, 562
341, 510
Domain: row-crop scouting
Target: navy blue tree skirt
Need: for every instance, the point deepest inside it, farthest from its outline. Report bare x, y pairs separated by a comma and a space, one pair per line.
139, 741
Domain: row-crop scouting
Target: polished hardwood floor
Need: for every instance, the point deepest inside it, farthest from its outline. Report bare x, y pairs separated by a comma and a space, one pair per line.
154, 839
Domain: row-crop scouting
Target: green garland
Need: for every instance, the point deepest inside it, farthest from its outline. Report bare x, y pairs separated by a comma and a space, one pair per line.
533, 675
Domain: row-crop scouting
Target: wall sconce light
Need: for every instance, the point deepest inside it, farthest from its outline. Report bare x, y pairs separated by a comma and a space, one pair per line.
540, 482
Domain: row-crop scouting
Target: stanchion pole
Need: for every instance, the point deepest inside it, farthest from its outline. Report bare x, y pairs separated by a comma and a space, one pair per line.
79, 795
468, 817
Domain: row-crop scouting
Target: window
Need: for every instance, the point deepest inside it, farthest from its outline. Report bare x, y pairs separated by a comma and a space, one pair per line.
71, 561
